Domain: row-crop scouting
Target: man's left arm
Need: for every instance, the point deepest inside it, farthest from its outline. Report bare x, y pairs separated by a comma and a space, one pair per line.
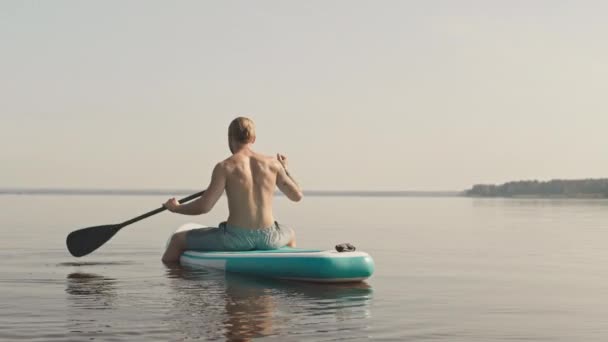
205, 203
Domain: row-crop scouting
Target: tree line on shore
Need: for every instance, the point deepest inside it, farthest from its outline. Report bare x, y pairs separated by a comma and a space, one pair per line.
585, 188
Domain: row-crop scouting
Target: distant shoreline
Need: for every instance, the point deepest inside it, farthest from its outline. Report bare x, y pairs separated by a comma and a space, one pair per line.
176, 192
557, 188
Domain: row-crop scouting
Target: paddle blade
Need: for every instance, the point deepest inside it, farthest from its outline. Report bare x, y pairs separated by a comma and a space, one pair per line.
84, 241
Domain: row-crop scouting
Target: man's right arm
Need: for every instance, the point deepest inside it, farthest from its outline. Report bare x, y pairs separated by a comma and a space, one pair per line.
288, 185
203, 204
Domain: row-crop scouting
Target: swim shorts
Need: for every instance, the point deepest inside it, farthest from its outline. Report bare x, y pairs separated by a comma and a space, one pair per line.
230, 238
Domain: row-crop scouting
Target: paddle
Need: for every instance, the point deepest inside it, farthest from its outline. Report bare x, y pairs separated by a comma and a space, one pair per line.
84, 241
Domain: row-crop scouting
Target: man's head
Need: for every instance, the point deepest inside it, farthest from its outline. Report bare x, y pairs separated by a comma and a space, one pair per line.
240, 132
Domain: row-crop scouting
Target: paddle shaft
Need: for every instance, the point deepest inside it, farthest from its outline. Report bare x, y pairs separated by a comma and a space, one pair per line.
159, 210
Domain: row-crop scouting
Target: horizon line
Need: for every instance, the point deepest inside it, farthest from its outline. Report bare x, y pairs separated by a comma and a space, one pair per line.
169, 192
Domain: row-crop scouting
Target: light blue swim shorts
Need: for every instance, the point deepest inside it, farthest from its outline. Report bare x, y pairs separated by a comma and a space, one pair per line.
230, 238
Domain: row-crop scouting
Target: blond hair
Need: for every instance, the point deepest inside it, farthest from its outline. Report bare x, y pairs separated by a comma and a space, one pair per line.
242, 130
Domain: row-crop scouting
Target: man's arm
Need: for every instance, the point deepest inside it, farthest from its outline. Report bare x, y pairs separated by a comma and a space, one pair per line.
205, 203
286, 183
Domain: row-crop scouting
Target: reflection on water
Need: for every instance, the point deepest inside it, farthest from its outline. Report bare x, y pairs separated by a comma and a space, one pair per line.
91, 291
90, 295
95, 263
249, 307
210, 305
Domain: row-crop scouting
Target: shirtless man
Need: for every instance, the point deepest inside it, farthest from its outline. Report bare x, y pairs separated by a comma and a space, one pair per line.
249, 180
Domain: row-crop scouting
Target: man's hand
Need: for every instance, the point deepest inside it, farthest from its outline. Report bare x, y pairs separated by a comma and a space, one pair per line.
282, 159
172, 204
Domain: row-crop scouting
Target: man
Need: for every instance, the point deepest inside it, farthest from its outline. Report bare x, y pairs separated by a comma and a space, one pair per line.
249, 180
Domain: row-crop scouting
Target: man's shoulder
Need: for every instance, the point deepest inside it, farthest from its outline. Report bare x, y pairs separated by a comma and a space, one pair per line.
266, 158
231, 160
229, 163
269, 160
236, 160
223, 164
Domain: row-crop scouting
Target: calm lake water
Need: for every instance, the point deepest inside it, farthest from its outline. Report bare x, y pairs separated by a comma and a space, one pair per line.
447, 269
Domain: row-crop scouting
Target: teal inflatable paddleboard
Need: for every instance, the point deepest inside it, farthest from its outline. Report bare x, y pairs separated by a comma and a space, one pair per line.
286, 263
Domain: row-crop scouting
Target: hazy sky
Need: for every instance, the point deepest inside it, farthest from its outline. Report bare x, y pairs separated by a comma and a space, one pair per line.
378, 95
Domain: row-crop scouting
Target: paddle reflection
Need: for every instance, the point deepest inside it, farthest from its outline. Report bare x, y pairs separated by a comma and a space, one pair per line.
250, 307
91, 291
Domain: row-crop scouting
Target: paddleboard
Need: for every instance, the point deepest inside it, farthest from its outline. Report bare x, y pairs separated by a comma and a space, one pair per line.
314, 265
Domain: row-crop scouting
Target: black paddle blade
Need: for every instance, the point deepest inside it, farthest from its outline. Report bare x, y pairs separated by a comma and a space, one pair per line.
83, 241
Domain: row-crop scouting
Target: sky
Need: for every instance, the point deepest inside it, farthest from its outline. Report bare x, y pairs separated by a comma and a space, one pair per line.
360, 95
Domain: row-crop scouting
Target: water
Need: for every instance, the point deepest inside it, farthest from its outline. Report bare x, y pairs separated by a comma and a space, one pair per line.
447, 269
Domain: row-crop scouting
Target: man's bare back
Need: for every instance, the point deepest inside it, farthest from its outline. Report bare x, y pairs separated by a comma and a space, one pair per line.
249, 180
